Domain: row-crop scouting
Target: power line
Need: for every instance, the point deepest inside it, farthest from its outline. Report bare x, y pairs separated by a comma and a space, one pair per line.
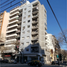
8, 3
57, 21
4, 2
9, 7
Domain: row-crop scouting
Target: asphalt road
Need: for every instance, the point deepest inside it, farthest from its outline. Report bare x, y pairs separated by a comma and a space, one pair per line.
25, 65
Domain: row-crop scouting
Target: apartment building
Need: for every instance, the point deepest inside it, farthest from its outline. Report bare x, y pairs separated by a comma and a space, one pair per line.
27, 25
4, 19
53, 45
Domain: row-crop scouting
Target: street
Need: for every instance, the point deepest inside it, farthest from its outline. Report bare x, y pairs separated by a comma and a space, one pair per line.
25, 65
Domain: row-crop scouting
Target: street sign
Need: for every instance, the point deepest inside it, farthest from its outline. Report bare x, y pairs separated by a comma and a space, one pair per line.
57, 56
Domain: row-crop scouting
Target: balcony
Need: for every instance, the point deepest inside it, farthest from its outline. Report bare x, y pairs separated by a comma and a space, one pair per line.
15, 25
33, 33
1, 17
13, 22
35, 16
11, 35
14, 10
35, 27
34, 22
45, 28
13, 18
12, 40
35, 38
16, 13
0, 20
11, 30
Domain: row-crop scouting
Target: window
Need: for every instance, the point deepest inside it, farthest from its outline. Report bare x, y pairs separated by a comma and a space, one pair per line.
28, 26
28, 37
24, 13
23, 21
45, 43
29, 11
22, 38
28, 31
28, 16
22, 43
24, 17
23, 32
28, 20
23, 28
27, 43
25, 9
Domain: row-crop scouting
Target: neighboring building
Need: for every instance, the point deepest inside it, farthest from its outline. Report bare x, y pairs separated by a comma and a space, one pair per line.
4, 19
27, 25
53, 45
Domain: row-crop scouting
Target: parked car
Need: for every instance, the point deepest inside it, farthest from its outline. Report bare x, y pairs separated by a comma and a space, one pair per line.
35, 63
54, 62
13, 61
0, 60
5, 61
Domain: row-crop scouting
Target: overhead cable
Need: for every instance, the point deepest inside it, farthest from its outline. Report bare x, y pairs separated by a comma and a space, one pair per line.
57, 21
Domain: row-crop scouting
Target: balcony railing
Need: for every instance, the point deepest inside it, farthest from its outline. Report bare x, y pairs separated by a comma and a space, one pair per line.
35, 38
35, 16
35, 27
14, 10
12, 40
11, 35
15, 17
34, 33
13, 22
11, 30
15, 25
16, 13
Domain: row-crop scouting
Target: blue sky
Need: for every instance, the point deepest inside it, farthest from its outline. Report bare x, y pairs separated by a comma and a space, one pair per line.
59, 7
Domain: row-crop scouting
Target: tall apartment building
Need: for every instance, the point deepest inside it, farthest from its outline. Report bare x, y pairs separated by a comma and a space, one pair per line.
27, 25
4, 19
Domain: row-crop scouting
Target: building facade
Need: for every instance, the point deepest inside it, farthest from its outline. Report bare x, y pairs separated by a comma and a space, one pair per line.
27, 26
4, 19
54, 47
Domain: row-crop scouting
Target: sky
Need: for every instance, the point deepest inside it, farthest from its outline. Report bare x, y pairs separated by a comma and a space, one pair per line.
60, 9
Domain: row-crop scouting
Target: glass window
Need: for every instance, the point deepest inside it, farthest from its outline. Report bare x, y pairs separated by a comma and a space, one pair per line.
28, 37
29, 11
22, 38
23, 28
25, 9
28, 20
28, 26
24, 17
22, 43
23, 32
28, 31
28, 16
24, 13
23, 21
27, 43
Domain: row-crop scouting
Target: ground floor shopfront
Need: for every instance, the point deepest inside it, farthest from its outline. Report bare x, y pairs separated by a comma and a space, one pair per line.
25, 58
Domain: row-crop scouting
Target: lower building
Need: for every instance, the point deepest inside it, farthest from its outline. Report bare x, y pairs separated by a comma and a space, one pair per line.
54, 47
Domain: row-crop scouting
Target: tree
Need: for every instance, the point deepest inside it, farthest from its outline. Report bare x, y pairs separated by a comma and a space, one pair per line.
61, 38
